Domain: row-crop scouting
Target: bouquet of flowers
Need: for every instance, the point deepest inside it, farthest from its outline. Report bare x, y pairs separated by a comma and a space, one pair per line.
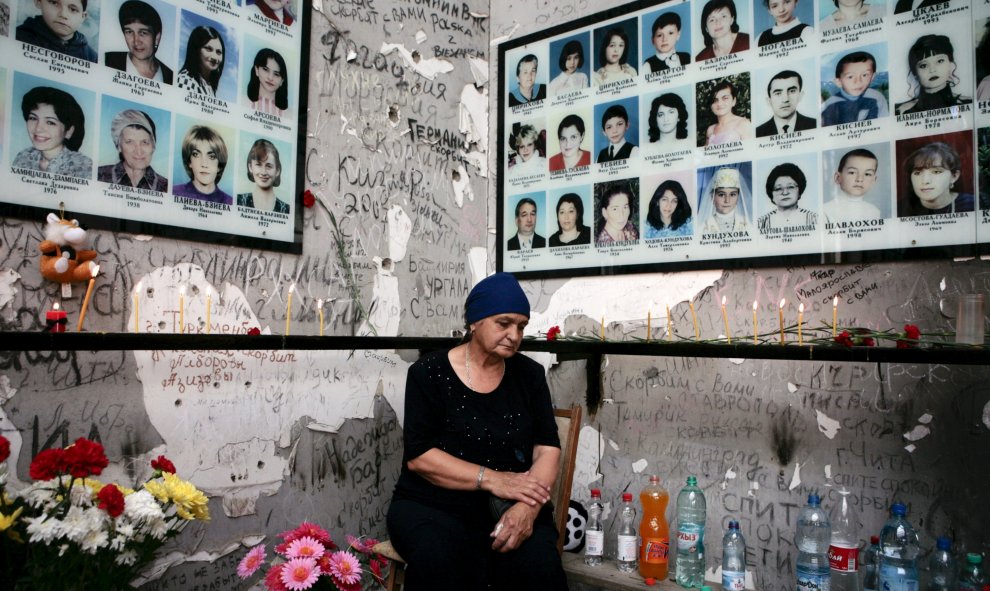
67, 530
308, 559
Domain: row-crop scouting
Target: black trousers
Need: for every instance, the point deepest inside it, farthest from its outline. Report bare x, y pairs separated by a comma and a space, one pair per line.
451, 551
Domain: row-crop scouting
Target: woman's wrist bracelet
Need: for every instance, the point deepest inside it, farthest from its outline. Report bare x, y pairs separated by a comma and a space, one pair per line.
481, 476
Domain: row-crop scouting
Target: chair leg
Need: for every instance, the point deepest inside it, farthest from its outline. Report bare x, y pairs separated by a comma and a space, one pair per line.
396, 575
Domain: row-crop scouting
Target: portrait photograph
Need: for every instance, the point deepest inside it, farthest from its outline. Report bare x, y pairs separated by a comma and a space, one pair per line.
617, 130
856, 183
569, 139
526, 75
855, 85
617, 212
784, 20
666, 39
928, 71
527, 148
787, 193
570, 64
135, 145
48, 129
785, 99
203, 165
668, 205
269, 86
935, 174
139, 37
208, 58
983, 166
280, 11
4, 110
723, 28
525, 223
71, 27
4, 18
982, 40
723, 110
265, 174
725, 198
839, 13
573, 215
669, 119
616, 52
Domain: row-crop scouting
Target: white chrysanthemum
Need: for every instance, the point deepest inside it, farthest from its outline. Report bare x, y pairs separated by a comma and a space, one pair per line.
126, 558
125, 529
39, 495
3, 473
95, 540
42, 529
79, 523
141, 507
158, 529
81, 494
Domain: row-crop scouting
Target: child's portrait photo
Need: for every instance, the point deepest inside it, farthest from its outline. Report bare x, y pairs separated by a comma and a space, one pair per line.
936, 174
784, 20
616, 52
934, 76
856, 183
67, 26
270, 87
570, 64
280, 11
666, 39
723, 110
725, 198
855, 85
617, 130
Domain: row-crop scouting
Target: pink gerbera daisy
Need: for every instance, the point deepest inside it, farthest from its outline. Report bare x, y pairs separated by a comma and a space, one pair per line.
273, 578
307, 529
305, 547
250, 563
300, 573
345, 566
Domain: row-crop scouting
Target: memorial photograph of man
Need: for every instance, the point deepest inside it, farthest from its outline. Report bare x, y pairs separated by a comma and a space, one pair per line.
784, 94
141, 27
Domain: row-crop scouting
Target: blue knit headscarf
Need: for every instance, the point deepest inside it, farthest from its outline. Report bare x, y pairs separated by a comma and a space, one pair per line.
496, 294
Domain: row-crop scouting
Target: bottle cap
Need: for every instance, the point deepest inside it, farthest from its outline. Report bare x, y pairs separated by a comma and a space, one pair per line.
898, 509
814, 500
943, 543
627, 497
706, 588
973, 558
874, 539
596, 493
733, 524
692, 481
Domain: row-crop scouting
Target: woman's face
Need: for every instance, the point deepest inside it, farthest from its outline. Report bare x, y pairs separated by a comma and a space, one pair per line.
204, 164
719, 23
137, 147
616, 213
46, 130
525, 148
616, 47
571, 63
667, 119
782, 10
785, 192
667, 205
211, 56
570, 141
500, 334
567, 216
264, 172
527, 76
933, 182
934, 72
723, 103
276, 5
269, 77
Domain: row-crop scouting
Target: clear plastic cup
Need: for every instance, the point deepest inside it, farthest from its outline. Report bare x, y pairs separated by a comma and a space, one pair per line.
969, 319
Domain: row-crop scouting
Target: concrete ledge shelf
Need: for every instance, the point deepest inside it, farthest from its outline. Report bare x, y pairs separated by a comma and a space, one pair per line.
607, 576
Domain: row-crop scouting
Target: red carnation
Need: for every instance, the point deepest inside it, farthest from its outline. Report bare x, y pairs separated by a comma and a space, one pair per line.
111, 500
47, 464
4, 448
844, 338
85, 458
309, 200
254, 331
911, 332
163, 464
869, 342
553, 333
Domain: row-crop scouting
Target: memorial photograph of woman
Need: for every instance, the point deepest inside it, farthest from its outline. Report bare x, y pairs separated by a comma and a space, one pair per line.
264, 169
668, 119
570, 135
618, 212
720, 30
142, 29
932, 76
571, 230
936, 175
724, 110
441, 519
669, 212
528, 144
135, 136
204, 158
55, 126
204, 62
268, 87
527, 89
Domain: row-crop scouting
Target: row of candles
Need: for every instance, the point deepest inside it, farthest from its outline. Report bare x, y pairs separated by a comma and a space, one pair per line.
725, 321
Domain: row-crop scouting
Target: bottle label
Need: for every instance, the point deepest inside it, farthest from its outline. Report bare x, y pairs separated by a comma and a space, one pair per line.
733, 580
843, 559
627, 548
893, 578
655, 550
594, 543
689, 537
812, 580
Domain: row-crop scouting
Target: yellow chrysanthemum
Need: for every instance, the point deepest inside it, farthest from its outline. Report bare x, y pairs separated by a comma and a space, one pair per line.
6, 521
94, 485
190, 503
158, 489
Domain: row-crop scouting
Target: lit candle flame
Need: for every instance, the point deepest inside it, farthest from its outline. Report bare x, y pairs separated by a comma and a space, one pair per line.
55, 306
137, 288
182, 291
319, 304
782, 302
96, 271
756, 305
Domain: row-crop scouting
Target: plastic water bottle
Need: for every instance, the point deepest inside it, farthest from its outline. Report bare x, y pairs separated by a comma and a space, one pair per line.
654, 535
733, 559
628, 546
594, 533
871, 565
942, 567
689, 571
813, 534
843, 551
973, 577
898, 552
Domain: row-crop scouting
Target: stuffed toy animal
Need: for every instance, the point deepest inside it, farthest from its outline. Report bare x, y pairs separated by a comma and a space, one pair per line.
64, 257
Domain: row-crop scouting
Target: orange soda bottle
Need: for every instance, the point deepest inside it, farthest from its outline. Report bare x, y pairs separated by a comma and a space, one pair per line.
654, 534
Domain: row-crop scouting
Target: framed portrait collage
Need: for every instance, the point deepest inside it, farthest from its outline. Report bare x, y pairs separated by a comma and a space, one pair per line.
745, 133
180, 118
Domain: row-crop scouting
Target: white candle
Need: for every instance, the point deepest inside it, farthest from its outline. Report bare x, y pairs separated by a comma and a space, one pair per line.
755, 306
800, 322
137, 307
182, 309
209, 305
835, 313
288, 310
725, 319
89, 294
319, 306
781, 319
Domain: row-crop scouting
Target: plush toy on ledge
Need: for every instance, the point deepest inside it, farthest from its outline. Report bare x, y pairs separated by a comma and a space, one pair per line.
64, 257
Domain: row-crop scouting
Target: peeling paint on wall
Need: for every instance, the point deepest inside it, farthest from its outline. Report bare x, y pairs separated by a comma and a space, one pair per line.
8, 277
827, 425
428, 68
590, 444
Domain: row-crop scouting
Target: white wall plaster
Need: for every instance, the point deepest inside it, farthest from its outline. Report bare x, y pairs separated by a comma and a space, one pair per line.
925, 419
425, 67
496, 40
385, 309
399, 230
9, 430
479, 69
478, 261
143, 237
472, 116
910, 448
590, 444
792, 388
158, 567
639, 465
8, 277
919, 432
796, 478
462, 186
827, 425
828, 472
421, 36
